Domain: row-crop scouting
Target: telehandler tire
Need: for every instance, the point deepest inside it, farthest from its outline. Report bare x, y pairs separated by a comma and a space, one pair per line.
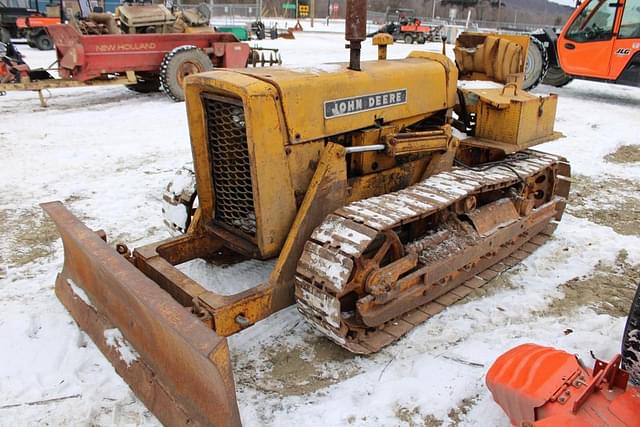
43, 42
178, 64
537, 64
631, 341
556, 77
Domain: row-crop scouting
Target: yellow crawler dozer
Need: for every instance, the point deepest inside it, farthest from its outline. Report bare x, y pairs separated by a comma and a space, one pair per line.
385, 190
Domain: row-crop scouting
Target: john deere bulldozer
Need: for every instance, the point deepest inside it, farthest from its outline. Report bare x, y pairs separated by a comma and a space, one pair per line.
385, 190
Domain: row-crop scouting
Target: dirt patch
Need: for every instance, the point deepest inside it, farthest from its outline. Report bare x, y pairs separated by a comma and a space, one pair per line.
613, 202
432, 421
413, 418
457, 414
28, 235
608, 290
300, 369
624, 154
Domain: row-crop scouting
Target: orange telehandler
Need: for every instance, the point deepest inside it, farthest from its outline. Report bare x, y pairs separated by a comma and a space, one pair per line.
600, 41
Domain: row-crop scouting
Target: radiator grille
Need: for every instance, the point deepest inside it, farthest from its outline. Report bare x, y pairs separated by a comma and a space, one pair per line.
230, 165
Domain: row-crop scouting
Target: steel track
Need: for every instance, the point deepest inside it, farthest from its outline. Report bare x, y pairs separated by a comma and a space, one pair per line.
327, 267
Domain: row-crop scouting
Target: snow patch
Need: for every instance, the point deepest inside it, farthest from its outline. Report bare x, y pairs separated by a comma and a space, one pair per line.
228, 279
176, 215
116, 341
318, 69
478, 84
183, 180
80, 293
350, 238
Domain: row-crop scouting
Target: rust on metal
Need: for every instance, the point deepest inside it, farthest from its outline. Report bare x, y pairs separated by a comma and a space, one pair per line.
369, 287
355, 30
493, 216
181, 369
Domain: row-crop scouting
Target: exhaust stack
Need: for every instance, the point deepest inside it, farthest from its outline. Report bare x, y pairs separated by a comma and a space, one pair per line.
355, 30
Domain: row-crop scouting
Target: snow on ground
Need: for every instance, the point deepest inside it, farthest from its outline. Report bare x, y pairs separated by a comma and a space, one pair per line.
319, 25
107, 153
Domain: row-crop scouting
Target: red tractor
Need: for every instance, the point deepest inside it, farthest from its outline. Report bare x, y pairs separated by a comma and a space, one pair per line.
403, 25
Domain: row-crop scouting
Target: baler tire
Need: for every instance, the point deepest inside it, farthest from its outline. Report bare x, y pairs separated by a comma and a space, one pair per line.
537, 64
179, 63
556, 77
145, 86
408, 39
631, 341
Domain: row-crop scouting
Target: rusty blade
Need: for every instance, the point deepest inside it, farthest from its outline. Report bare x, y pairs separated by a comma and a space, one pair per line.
180, 369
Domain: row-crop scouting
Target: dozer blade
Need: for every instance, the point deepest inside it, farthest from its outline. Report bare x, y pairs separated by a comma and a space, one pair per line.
176, 365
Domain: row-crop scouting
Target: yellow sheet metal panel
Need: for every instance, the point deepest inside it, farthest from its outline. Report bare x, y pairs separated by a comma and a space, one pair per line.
327, 192
274, 196
331, 100
303, 160
372, 161
271, 189
226, 83
513, 116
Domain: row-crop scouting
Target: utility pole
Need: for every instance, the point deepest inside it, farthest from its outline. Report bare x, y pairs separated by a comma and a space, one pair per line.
433, 12
312, 12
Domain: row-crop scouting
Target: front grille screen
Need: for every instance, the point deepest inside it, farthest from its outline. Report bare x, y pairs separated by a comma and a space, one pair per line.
230, 166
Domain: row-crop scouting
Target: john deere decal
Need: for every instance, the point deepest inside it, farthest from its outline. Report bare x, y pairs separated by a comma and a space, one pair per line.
358, 104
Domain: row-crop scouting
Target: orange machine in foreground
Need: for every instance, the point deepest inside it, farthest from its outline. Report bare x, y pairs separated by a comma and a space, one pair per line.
544, 387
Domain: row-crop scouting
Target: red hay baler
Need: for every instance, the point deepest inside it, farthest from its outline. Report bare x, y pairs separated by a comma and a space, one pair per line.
142, 62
